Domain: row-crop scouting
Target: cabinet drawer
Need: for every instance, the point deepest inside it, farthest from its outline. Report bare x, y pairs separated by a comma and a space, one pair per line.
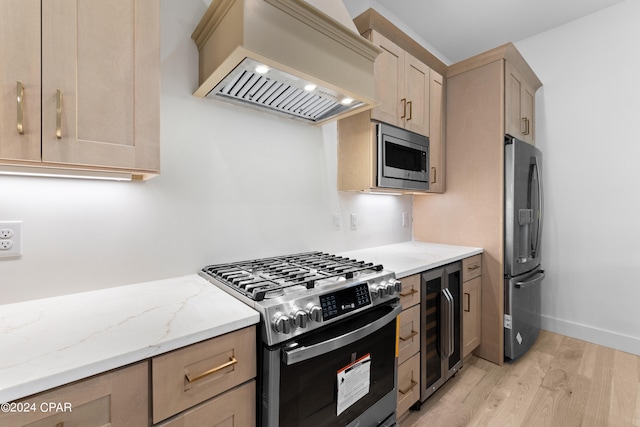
191, 375
409, 338
408, 384
115, 398
235, 408
471, 267
410, 294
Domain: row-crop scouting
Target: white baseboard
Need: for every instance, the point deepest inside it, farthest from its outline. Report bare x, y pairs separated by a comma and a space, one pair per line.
588, 333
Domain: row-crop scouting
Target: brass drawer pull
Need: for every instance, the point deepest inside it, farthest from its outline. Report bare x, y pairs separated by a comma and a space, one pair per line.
410, 104
433, 169
473, 267
59, 114
411, 335
232, 361
404, 108
408, 390
525, 126
408, 294
468, 296
20, 101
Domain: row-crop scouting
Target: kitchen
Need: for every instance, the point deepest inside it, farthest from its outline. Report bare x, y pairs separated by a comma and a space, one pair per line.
206, 207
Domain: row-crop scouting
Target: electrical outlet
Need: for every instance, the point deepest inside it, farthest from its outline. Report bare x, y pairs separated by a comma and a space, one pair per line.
405, 219
354, 221
337, 222
10, 238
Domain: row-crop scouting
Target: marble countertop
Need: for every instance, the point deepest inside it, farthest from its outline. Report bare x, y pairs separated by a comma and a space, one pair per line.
49, 342
409, 258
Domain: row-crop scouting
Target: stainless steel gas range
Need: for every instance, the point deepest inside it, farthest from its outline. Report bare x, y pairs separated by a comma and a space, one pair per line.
328, 337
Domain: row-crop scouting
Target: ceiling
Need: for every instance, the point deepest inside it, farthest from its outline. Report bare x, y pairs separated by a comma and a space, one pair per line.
459, 29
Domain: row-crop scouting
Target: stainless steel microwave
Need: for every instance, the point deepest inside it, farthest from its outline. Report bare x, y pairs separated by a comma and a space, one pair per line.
403, 158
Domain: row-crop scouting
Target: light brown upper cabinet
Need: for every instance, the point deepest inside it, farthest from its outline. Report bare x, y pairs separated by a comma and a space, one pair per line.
436, 132
402, 87
93, 69
519, 105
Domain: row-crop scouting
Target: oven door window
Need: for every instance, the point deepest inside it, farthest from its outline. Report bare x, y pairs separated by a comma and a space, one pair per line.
309, 388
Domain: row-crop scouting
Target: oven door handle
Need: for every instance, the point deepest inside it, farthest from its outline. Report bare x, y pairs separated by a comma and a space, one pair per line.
291, 357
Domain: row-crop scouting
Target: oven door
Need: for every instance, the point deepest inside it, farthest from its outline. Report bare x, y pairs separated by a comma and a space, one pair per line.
344, 374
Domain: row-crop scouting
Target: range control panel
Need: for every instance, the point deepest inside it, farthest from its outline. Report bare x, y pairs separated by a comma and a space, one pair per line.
344, 301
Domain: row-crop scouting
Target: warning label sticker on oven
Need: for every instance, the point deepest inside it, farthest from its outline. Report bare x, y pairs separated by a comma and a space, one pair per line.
353, 382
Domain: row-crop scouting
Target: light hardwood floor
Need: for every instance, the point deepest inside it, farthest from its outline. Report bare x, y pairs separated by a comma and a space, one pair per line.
560, 382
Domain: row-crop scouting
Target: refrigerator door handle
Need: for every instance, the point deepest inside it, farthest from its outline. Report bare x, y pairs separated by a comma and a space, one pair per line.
540, 218
539, 276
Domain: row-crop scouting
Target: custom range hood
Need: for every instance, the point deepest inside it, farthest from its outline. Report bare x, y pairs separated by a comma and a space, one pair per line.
287, 57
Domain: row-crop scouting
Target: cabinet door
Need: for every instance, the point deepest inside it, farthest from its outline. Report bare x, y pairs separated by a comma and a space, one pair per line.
100, 83
519, 105
471, 317
416, 93
116, 398
388, 71
20, 80
436, 133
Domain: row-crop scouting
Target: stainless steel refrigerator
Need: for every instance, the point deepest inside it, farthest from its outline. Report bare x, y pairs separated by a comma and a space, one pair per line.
523, 273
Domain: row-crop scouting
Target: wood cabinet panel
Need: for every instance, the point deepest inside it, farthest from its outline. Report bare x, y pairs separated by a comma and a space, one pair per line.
188, 376
519, 105
409, 336
471, 315
116, 398
471, 267
20, 47
410, 294
436, 133
388, 73
416, 93
408, 384
103, 57
235, 408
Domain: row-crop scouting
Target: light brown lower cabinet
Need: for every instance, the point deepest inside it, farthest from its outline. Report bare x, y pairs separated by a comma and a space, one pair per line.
471, 303
235, 408
408, 384
191, 375
118, 398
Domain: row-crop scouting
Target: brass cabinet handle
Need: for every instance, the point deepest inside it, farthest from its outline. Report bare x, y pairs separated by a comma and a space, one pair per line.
473, 267
468, 296
525, 126
433, 169
59, 114
20, 102
408, 390
406, 294
404, 108
232, 361
411, 335
410, 104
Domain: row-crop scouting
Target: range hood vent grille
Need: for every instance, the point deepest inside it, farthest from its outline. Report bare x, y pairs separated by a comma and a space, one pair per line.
299, 44
281, 93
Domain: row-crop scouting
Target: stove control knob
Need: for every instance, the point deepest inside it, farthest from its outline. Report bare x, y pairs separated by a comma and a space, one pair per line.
314, 312
397, 284
281, 323
390, 288
299, 318
378, 291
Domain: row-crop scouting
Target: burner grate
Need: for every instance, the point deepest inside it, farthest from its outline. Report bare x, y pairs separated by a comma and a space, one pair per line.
269, 277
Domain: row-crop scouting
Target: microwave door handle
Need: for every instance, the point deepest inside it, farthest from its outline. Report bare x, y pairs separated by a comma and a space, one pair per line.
291, 357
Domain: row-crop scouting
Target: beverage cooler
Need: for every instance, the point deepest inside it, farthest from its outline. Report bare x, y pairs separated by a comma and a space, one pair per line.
441, 323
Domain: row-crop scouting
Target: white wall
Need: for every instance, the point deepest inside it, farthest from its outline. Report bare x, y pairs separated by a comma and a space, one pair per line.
588, 112
235, 184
